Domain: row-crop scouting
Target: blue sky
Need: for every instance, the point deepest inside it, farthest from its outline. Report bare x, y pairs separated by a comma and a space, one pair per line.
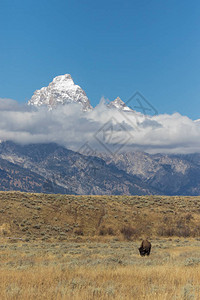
111, 48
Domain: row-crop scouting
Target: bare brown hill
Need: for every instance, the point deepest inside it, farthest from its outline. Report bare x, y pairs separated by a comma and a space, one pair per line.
62, 217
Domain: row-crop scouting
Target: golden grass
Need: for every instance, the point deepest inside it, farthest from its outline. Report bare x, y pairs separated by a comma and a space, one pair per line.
86, 247
100, 271
155, 283
160, 282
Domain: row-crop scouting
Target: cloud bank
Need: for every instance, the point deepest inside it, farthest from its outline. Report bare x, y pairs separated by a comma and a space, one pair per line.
102, 129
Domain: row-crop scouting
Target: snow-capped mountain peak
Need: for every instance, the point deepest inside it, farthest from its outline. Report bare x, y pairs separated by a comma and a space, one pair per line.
119, 104
62, 90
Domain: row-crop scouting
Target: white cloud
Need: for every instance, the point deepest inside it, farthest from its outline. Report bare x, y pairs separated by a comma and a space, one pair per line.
104, 129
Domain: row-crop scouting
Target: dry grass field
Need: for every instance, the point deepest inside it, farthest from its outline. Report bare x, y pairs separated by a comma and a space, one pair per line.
95, 270
86, 247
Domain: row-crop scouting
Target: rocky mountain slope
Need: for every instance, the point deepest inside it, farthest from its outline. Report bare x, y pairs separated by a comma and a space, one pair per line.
65, 171
14, 177
52, 168
168, 174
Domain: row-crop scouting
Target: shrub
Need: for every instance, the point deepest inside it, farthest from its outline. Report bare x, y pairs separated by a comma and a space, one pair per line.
78, 232
36, 226
106, 231
168, 231
128, 232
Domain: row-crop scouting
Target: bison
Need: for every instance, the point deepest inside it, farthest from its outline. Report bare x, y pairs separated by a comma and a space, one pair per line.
145, 248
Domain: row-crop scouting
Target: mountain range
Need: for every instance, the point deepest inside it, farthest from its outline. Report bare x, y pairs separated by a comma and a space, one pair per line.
54, 169
51, 168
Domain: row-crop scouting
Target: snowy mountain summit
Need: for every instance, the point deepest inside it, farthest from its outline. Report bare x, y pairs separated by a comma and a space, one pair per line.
119, 104
61, 90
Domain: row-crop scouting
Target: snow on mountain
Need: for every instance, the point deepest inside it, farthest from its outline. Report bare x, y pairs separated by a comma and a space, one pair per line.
61, 90
119, 104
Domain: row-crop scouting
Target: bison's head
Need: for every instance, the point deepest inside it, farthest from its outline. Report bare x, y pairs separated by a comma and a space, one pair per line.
142, 251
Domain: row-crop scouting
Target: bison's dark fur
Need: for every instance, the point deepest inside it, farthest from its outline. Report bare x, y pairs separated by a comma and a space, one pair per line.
145, 248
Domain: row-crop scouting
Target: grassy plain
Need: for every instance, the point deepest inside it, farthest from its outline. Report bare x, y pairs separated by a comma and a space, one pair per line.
86, 247
94, 270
